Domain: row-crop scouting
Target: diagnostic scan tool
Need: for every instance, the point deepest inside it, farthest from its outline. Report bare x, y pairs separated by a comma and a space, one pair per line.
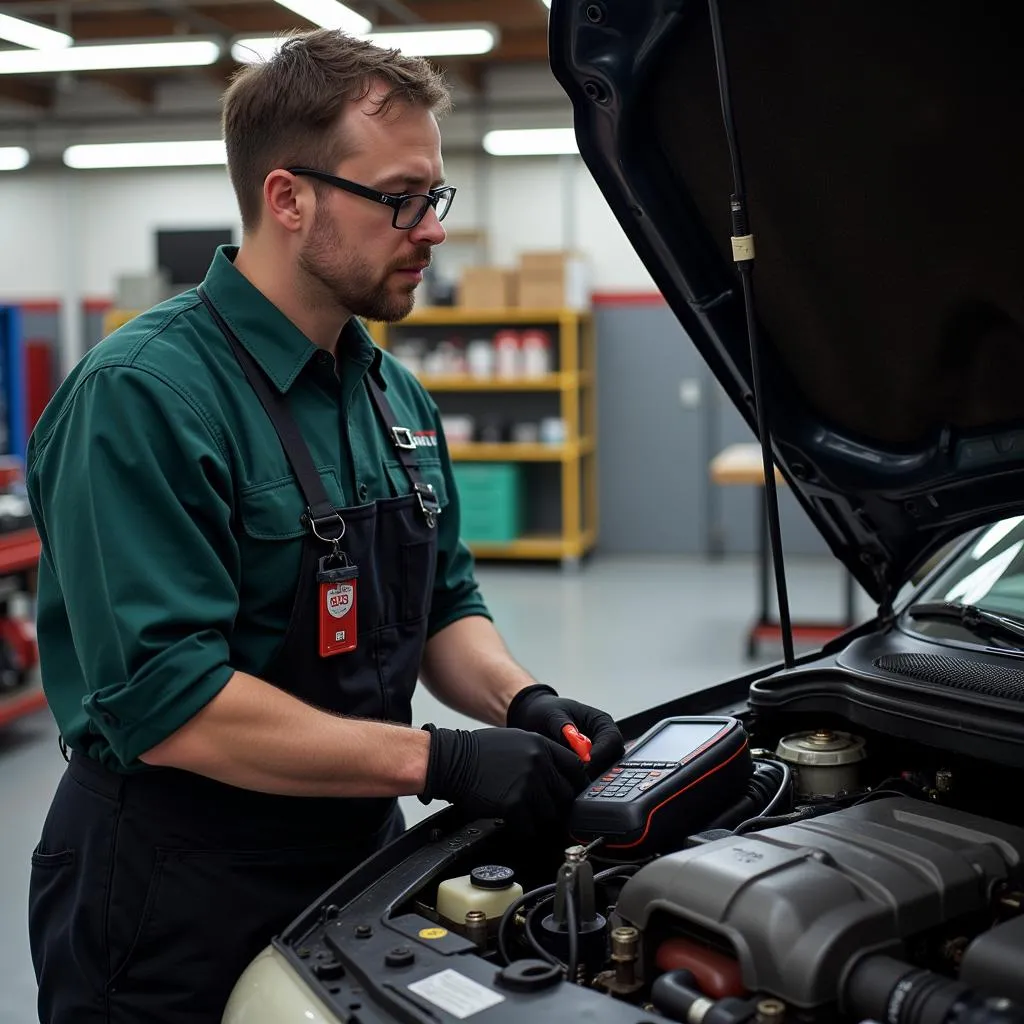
673, 780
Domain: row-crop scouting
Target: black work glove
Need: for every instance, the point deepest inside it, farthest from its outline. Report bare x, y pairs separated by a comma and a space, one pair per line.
539, 709
503, 773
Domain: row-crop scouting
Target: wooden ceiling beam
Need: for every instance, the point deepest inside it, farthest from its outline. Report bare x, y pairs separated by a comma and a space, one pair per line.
514, 15
266, 18
522, 24
88, 27
454, 69
28, 94
520, 46
137, 88
184, 12
269, 19
220, 73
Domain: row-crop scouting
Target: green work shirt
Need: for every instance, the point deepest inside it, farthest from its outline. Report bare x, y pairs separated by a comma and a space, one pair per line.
170, 519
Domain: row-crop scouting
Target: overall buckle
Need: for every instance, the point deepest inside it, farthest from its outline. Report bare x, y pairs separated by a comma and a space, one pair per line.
402, 436
429, 505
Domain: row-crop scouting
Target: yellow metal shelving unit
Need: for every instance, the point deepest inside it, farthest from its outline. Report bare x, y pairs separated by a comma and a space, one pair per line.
574, 383
114, 318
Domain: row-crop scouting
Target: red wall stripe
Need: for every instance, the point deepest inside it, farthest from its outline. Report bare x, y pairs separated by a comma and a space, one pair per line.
53, 306
628, 299
100, 305
37, 306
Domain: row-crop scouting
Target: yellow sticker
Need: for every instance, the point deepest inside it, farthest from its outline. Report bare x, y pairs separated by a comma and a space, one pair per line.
433, 933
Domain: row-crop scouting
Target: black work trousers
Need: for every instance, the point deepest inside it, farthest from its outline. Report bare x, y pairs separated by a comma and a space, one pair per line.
151, 894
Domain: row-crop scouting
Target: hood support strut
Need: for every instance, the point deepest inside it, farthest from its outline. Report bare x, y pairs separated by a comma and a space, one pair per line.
743, 257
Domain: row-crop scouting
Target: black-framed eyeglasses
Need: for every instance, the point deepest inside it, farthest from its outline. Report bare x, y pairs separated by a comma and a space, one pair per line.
408, 209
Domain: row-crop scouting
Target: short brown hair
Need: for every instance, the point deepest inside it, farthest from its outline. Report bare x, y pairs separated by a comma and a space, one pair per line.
280, 112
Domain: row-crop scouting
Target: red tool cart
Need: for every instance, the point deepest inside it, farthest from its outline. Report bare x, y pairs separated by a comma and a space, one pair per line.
20, 692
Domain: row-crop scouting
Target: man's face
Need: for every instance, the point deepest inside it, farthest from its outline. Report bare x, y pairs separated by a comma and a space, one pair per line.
368, 267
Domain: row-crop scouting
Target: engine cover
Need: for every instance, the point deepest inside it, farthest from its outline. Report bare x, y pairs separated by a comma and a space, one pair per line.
798, 902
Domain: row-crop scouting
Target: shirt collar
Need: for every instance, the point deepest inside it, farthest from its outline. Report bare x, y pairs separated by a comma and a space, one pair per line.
280, 348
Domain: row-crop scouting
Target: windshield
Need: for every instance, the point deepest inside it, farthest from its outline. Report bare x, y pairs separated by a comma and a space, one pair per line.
988, 574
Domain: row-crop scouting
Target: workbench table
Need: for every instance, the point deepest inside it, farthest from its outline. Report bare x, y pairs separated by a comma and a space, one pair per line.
741, 465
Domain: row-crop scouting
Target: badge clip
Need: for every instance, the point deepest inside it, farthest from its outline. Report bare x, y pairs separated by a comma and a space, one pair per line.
338, 582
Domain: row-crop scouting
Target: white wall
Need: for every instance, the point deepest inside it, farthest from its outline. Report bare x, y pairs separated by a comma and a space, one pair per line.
616, 266
70, 234
121, 211
34, 212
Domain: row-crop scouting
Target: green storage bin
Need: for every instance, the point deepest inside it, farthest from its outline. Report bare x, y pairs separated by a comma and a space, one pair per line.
490, 501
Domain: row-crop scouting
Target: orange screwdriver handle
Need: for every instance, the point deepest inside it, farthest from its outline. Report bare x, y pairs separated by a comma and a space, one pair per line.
580, 744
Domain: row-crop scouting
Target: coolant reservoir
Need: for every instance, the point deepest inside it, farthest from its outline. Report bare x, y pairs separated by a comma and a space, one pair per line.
490, 888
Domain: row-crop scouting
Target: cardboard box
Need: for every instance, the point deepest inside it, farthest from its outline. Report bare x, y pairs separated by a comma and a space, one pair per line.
547, 261
553, 279
487, 288
538, 293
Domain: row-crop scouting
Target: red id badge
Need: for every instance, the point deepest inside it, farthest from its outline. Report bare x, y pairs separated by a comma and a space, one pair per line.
337, 585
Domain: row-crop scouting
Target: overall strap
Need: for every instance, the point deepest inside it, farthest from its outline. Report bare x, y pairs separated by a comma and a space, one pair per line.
405, 444
319, 508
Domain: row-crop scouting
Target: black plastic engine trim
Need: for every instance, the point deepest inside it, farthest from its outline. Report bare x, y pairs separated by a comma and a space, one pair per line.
851, 684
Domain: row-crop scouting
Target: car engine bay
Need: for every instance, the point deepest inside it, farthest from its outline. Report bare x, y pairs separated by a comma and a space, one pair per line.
844, 876
840, 840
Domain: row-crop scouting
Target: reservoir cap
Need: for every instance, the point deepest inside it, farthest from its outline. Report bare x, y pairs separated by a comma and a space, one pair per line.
492, 876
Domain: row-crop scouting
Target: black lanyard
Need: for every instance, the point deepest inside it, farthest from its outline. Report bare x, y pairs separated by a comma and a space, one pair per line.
320, 509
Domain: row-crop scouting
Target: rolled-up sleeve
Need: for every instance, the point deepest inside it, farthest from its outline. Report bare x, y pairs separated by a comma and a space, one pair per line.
132, 495
456, 592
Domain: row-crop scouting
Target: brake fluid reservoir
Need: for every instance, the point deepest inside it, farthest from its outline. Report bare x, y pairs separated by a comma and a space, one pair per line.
490, 888
824, 762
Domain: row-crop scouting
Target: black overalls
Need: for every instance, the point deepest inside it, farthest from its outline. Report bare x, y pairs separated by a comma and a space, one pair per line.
151, 892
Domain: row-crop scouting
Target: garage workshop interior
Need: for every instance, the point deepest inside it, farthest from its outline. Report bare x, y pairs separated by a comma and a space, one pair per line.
511, 512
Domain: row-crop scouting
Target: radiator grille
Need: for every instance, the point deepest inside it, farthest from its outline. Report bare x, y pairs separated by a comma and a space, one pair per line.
961, 673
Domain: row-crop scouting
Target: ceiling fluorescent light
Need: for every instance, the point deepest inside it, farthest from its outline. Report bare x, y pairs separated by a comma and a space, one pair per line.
27, 33
146, 154
13, 158
110, 57
531, 142
460, 41
329, 14
435, 41
255, 51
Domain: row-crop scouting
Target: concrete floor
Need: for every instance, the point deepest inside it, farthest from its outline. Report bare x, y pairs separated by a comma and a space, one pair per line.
622, 634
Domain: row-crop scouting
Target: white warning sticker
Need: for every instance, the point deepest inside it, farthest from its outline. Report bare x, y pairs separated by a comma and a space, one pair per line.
456, 994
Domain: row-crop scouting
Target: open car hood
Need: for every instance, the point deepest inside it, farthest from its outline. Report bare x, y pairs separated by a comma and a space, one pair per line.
882, 148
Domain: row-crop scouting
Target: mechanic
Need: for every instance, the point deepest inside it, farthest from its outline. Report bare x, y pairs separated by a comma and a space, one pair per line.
250, 552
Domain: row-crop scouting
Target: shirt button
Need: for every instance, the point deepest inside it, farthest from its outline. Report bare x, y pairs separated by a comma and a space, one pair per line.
363, 492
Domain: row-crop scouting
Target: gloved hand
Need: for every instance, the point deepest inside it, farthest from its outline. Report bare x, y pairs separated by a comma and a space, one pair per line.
503, 773
539, 709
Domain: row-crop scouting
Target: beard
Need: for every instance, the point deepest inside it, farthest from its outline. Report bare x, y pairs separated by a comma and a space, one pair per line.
343, 277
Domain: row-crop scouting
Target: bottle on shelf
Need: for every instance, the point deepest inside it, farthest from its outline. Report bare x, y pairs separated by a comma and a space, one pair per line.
411, 353
458, 429
508, 354
480, 358
536, 353
525, 433
552, 430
